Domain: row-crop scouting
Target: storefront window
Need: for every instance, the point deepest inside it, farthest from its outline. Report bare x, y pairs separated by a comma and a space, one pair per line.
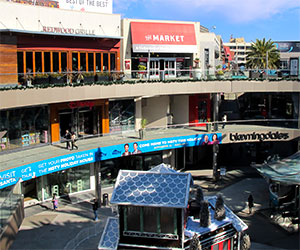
121, 115
112, 61
24, 127
98, 62
38, 61
55, 62
68, 181
83, 61
105, 62
29, 62
90, 62
64, 62
47, 62
75, 61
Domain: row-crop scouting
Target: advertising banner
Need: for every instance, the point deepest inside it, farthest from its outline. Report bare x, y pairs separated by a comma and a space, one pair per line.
36, 169
99, 6
288, 47
163, 37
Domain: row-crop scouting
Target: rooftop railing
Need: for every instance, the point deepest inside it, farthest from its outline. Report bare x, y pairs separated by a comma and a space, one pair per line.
80, 78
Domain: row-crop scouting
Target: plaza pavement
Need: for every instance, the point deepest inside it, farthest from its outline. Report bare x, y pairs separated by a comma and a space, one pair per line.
46, 229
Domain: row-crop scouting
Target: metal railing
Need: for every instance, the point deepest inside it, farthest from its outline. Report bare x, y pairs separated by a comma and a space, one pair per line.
9, 199
34, 79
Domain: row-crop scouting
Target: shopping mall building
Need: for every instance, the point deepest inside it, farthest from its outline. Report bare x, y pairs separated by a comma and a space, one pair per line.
54, 77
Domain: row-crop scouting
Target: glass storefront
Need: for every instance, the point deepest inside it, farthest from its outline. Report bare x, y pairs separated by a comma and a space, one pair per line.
110, 168
64, 182
84, 121
23, 127
121, 115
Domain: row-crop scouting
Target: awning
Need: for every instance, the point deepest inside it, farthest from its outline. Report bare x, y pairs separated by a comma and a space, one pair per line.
285, 171
163, 37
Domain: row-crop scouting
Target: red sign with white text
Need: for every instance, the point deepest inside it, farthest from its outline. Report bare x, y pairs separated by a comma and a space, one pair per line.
163, 37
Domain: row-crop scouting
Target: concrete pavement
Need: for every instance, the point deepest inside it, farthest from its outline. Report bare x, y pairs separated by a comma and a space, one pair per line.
46, 229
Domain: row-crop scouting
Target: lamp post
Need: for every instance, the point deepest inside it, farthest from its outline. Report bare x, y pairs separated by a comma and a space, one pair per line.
148, 65
267, 65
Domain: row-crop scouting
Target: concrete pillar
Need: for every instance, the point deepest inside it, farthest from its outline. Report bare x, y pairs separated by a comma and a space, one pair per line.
169, 157
97, 181
138, 113
216, 98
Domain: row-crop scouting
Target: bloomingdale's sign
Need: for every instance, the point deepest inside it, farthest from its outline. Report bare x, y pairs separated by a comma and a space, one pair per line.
258, 136
60, 30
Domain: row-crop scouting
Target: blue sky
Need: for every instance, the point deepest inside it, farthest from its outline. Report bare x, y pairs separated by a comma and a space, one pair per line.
278, 20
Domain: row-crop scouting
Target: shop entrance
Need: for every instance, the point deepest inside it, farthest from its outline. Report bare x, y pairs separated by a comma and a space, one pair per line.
165, 66
83, 121
29, 190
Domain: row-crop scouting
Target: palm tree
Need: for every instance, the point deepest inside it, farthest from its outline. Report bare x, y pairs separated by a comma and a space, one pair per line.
260, 51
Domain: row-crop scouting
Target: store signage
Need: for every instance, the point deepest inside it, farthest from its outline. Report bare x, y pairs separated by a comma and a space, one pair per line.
258, 136
79, 104
60, 30
60, 163
288, 47
99, 6
163, 37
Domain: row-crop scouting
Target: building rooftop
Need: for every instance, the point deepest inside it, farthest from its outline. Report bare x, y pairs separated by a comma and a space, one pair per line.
155, 189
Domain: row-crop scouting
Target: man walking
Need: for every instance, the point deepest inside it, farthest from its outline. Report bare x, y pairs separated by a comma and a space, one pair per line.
68, 139
95, 208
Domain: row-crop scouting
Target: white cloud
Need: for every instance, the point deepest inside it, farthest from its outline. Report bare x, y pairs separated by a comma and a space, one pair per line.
234, 10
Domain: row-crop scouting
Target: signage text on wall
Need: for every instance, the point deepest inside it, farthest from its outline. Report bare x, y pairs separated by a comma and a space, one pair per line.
258, 136
60, 30
99, 6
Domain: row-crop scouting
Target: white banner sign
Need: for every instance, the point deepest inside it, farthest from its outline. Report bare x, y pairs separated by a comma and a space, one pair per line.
99, 6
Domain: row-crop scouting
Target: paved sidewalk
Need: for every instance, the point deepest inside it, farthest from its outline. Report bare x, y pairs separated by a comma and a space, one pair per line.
46, 229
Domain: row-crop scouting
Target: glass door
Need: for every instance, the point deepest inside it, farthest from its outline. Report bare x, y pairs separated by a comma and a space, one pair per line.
154, 69
170, 68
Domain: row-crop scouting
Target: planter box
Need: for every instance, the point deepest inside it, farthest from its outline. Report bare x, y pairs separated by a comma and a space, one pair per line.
89, 79
102, 78
41, 80
57, 80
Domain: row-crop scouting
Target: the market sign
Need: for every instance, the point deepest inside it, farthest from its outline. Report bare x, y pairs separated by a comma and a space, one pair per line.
163, 37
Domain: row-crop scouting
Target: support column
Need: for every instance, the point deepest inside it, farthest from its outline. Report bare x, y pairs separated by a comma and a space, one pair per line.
138, 113
215, 163
216, 110
97, 167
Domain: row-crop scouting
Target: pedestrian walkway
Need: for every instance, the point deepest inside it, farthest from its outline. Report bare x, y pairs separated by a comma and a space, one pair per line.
43, 228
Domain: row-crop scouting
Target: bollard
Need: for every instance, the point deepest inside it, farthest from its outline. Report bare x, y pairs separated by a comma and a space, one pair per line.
105, 199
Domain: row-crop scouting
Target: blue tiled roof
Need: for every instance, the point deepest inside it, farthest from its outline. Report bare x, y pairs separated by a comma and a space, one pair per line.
162, 168
110, 236
140, 188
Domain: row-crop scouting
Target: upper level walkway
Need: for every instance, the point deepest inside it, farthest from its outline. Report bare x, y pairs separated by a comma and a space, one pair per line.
33, 162
93, 89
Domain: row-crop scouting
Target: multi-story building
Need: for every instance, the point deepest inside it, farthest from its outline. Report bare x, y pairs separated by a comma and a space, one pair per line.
52, 70
240, 49
289, 57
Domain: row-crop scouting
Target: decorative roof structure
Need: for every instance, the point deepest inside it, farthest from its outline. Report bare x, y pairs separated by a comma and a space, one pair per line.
162, 168
110, 236
140, 188
193, 227
286, 171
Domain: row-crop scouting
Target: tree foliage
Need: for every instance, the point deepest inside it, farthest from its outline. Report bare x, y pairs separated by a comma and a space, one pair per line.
220, 212
257, 56
204, 214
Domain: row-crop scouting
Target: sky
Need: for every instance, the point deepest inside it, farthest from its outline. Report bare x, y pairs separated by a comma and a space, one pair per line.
278, 20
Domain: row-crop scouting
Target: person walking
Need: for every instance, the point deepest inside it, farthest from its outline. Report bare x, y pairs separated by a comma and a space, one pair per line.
250, 203
224, 120
95, 208
68, 139
54, 202
73, 141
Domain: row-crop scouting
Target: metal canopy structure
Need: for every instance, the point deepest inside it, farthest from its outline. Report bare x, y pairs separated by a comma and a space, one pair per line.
285, 171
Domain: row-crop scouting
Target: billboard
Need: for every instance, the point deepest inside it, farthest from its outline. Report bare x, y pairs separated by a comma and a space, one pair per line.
44, 167
99, 6
288, 47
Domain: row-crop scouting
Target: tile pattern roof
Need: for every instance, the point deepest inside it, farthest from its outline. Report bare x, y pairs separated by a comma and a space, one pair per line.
110, 236
142, 188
